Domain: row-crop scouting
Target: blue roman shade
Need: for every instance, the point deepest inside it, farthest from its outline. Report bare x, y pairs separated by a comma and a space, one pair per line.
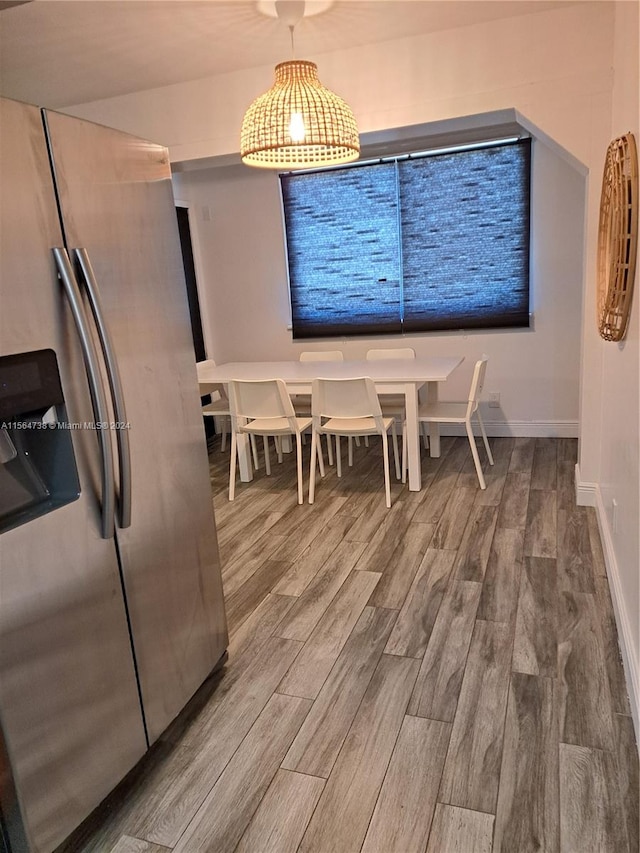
418, 243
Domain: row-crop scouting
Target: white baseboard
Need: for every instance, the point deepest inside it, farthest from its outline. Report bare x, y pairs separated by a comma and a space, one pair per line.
588, 494
519, 429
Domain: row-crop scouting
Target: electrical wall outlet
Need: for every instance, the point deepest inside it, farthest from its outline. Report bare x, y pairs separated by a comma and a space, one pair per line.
494, 399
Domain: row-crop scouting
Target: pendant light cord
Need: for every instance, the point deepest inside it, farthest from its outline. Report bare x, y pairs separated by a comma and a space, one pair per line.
293, 49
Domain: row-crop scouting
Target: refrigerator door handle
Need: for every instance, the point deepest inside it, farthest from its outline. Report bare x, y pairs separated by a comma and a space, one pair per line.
98, 399
115, 385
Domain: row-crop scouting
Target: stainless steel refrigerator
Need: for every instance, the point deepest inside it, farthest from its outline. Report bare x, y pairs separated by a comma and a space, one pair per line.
111, 607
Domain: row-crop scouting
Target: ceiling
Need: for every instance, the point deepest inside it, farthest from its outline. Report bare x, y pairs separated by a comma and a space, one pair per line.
58, 53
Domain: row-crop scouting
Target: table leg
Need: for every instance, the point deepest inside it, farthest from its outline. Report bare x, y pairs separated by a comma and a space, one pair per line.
244, 459
412, 437
434, 429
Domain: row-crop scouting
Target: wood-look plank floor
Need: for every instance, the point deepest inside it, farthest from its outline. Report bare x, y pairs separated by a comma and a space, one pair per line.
440, 676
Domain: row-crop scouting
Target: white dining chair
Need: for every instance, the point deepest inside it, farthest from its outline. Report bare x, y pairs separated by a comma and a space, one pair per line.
219, 410
302, 402
391, 404
349, 407
395, 404
458, 413
397, 352
264, 407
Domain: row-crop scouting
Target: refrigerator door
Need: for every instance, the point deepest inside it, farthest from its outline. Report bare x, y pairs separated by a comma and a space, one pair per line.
69, 703
116, 200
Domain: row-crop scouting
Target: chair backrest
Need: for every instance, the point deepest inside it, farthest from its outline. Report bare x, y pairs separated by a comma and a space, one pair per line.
379, 354
345, 398
260, 398
216, 389
477, 382
319, 355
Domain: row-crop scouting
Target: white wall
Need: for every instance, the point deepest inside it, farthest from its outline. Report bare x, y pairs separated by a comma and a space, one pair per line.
610, 407
574, 73
555, 67
244, 293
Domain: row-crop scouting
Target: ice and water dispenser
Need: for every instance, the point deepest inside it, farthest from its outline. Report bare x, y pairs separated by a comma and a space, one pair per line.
37, 466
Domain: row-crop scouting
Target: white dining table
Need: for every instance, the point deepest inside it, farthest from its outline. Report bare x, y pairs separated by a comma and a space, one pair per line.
391, 376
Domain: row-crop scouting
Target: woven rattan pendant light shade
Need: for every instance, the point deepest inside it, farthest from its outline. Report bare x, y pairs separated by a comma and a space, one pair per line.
298, 123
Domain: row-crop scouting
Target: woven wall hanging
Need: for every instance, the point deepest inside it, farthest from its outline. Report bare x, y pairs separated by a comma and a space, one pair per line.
617, 237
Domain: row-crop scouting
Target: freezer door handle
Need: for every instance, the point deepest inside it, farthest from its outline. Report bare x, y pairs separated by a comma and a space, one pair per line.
98, 398
115, 385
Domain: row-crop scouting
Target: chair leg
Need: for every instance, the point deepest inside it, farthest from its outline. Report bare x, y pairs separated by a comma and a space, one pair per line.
223, 434
404, 452
312, 467
394, 436
278, 443
476, 458
299, 466
350, 446
267, 457
425, 435
320, 457
232, 466
484, 438
385, 460
329, 449
254, 451
338, 457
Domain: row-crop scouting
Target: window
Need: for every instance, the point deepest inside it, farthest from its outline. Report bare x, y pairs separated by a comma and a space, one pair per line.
416, 243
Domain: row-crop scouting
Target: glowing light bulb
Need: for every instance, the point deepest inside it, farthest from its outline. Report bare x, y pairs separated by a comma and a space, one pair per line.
296, 127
